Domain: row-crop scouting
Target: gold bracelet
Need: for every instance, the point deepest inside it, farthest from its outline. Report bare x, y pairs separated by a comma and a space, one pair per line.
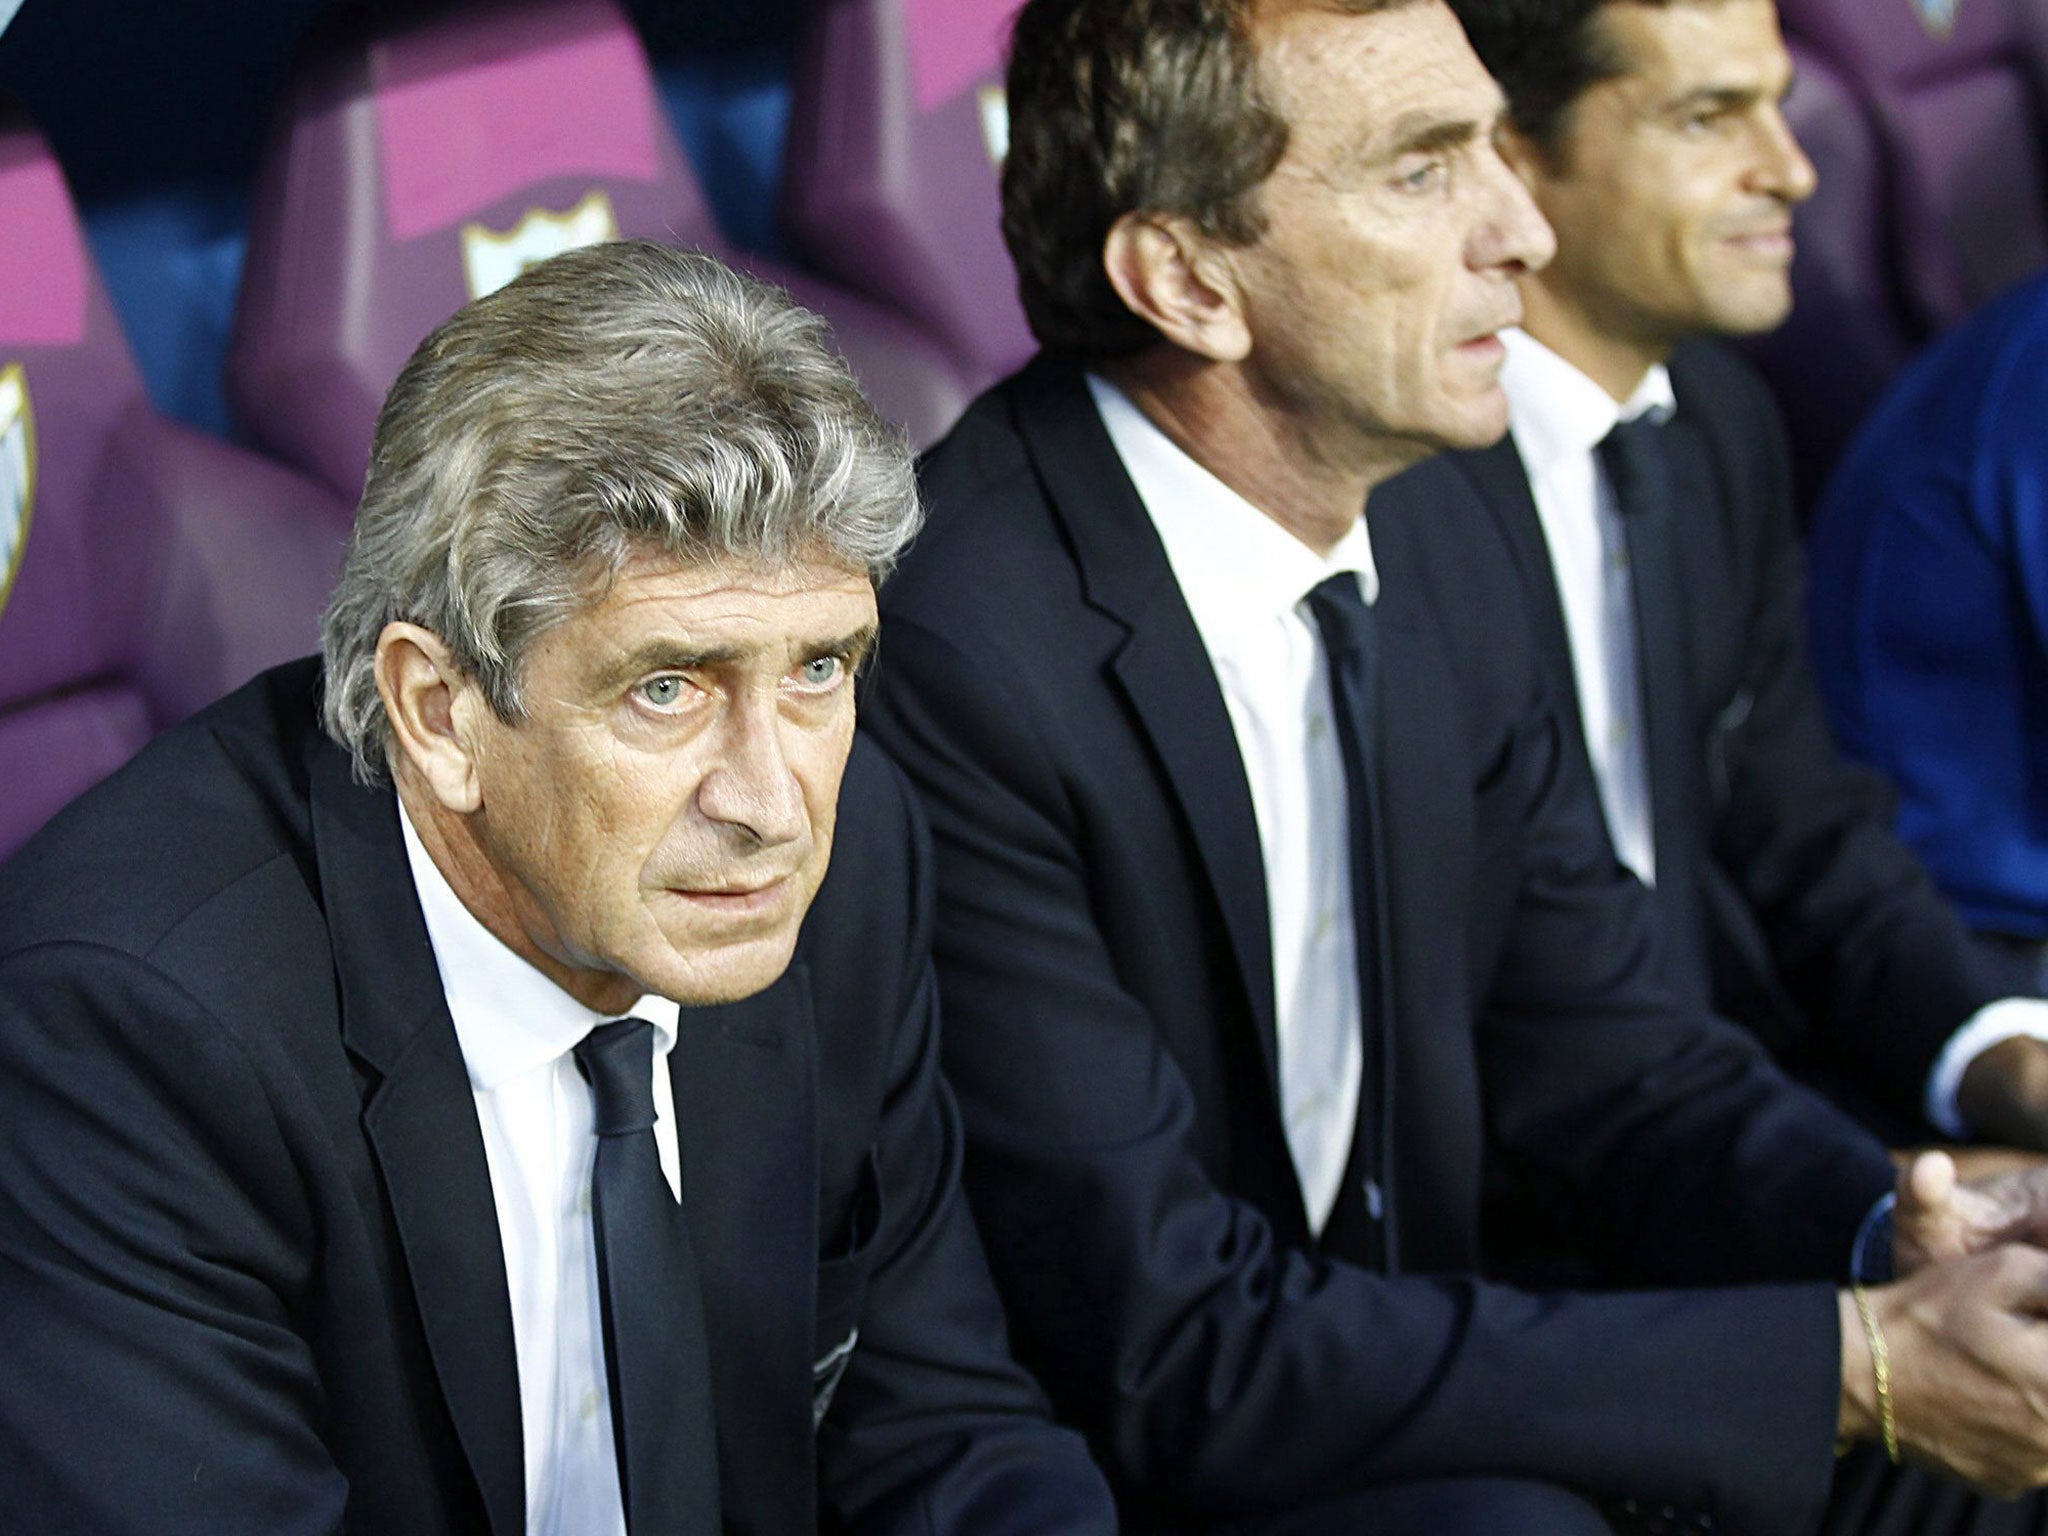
1881, 1367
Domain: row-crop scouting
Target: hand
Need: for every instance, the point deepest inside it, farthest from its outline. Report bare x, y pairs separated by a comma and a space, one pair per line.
2004, 1093
1969, 1368
1940, 1216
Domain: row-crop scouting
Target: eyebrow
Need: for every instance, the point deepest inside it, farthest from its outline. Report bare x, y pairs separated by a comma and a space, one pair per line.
1721, 97
1434, 136
668, 656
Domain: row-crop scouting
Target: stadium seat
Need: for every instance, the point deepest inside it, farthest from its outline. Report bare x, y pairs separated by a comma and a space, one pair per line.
1842, 279
890, 179
1925, 120
420, 163
144, 569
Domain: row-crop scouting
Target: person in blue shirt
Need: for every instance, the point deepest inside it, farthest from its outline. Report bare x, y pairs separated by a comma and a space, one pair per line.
1928, 601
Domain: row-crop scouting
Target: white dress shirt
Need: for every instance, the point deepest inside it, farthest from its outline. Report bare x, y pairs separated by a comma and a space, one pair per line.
1245, 579
517, 1030
1560, 415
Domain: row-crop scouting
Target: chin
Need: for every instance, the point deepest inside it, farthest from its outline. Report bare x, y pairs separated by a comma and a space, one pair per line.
1480, 425
1750, 310
700, 976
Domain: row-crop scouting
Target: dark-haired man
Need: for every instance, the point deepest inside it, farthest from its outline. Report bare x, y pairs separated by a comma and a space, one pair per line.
1275, 916
1650, 134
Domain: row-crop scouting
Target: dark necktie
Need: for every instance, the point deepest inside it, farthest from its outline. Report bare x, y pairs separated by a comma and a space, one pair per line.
656, 1360
1361, 1222
1636, 458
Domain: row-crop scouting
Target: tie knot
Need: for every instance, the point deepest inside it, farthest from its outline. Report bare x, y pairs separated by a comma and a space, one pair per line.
1632, 457
1342, 614
618, 1059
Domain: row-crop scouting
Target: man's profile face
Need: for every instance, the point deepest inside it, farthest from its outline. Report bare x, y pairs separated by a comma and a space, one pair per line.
1673, 185
662, 817
1395, 232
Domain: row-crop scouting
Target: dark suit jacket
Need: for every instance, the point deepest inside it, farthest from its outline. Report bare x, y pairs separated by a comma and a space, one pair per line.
249, 1261
1789, 900
1103, 949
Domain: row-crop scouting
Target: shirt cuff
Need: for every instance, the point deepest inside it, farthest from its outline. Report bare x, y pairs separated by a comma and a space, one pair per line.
1871, 1261
2008, 1019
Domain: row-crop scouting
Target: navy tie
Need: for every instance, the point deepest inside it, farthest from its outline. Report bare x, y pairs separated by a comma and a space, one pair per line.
1361, 1223
656, 1360
1639, 458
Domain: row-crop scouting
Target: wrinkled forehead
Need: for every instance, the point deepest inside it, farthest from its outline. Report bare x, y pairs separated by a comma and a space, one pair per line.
1369, 79
1734, 44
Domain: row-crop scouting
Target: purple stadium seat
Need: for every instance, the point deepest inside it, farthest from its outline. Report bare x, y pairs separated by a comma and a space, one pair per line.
419, 165
1847, 334
144, 569
897, 132
1925, 120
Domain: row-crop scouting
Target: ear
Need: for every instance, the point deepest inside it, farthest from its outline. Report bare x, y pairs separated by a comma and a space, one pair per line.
1169, 274
432, 706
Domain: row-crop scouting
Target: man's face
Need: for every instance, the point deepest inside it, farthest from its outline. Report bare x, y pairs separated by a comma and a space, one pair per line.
662, 816
1673, 185
1395, 232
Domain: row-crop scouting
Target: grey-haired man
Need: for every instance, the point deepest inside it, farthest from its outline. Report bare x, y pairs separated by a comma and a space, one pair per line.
350, 1078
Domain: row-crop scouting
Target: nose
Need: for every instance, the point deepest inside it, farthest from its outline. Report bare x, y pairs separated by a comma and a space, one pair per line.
750, 786
1782, 169
1512, 235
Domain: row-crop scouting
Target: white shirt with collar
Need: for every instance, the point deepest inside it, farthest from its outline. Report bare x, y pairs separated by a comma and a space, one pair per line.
517, 1030
1559, 416
1245, 579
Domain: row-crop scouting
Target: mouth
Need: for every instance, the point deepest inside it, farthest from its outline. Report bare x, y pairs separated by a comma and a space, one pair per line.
740, 900
1772, 243
1486, 345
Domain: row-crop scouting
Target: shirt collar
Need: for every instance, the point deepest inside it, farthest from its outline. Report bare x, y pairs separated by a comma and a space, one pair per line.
509, 1018
1235, 565
1557, 412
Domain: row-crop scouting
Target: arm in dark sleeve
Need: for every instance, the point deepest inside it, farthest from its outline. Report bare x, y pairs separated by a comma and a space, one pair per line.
1210, 1365
1669, 1144
152, 1236
1870, 950
934, 1428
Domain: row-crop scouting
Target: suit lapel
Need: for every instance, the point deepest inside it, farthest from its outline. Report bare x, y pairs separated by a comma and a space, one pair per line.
744, 1076
1503, 485
422, 1131
1163, 668
1675, 749
1429, 842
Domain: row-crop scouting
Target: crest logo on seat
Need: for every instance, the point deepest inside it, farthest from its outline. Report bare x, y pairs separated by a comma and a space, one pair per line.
995, 123
490, 259
17, 473
1937, 16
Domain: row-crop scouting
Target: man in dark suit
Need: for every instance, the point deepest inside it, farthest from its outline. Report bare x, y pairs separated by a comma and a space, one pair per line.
1651, 137
1274, 916
340, 1166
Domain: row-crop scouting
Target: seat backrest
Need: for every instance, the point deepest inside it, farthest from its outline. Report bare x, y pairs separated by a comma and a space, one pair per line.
1952, 89
71, 566
423, 163
1847, 335
896, 138
415, 167
1924, 121
143, 570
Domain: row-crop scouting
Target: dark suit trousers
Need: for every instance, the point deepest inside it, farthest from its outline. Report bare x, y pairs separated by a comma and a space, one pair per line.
1871, 1498
1874, 1498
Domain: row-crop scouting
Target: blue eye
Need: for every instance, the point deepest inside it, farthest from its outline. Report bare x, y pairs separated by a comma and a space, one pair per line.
821, 671
662, 691
1425, 177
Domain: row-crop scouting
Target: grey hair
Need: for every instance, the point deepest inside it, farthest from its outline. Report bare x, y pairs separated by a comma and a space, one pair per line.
613, 399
